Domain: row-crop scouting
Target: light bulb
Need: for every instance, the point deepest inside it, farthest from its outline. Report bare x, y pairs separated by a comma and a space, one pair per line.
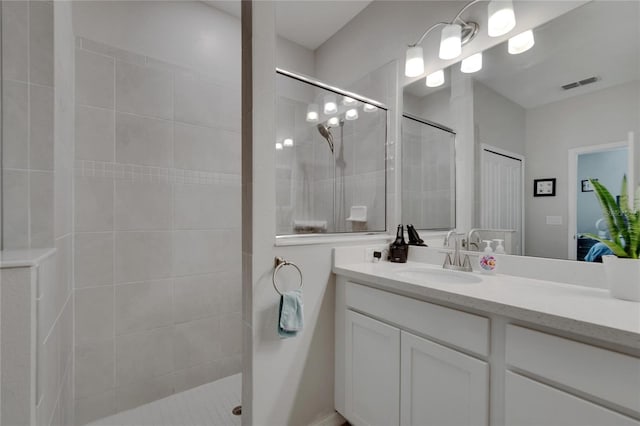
521, 43
312, 113
471, 64
278, 146
347, 101
435, 79
450, 42
351, 114
333, 122
287, 142
369, 108
414, 63
330, 105
502, 19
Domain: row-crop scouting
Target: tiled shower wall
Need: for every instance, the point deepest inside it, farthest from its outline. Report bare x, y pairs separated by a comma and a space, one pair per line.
37, 144
157, 221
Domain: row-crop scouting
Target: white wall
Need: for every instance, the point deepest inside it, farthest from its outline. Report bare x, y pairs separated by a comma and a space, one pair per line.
499, 121
601, 117
188, 33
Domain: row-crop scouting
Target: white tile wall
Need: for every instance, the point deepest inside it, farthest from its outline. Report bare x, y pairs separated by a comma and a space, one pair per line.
157, 243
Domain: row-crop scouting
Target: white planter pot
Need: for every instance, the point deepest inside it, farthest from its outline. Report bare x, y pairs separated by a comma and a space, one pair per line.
623, 277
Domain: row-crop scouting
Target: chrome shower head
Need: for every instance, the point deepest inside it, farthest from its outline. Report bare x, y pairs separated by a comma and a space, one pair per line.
326, 133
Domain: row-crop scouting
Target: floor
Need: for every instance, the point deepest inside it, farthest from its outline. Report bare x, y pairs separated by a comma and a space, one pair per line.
206, 405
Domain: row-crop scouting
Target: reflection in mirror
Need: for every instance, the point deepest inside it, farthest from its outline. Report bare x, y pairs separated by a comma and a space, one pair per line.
566, 108
330, 159
428, 173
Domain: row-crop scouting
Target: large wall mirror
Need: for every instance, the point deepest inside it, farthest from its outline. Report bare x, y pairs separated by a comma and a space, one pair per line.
542, 122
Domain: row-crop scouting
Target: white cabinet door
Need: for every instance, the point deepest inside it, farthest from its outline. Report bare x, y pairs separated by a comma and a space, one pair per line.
373, 371
441, 386
530, 403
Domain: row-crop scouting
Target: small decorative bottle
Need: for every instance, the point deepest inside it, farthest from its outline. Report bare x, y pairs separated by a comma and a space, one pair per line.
487, 261
399, 249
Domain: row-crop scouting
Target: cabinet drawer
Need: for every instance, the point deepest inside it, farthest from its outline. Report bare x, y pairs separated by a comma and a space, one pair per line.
608, 375
530, 403
460, 329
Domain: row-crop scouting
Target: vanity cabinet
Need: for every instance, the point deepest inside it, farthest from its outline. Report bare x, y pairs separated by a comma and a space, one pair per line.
373, 368
441, 386
393, 376
405, 361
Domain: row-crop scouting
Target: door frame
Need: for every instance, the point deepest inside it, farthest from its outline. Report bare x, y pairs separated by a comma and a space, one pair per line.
486, 147
572, 181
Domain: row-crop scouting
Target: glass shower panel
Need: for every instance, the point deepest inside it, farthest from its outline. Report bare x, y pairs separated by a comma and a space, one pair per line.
428, 175
330, 161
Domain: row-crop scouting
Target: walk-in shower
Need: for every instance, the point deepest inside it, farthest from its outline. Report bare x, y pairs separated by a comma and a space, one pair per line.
330, 159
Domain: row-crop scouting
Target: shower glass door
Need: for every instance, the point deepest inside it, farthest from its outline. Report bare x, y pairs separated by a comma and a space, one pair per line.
330, 159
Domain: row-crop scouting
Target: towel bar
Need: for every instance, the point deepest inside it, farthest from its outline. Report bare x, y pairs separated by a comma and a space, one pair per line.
280, 263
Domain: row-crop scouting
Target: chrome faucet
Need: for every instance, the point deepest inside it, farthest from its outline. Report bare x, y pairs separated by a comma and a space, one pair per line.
456, 264
470, 241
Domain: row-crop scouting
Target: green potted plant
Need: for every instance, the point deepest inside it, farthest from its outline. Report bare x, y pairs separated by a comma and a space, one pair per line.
623, 267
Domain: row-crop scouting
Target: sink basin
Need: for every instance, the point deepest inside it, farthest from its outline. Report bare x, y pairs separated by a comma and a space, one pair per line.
439, 276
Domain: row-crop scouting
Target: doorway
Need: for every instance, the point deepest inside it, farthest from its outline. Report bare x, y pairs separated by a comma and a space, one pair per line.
608, 163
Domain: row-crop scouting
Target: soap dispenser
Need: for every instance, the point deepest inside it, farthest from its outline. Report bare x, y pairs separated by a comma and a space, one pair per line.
499, 246
487, 262
399, 249
487, 248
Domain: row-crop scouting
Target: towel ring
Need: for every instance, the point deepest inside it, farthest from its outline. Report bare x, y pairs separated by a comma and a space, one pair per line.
279, 264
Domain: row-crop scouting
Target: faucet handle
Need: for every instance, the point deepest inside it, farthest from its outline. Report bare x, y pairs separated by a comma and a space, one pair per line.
447, 261
466, 264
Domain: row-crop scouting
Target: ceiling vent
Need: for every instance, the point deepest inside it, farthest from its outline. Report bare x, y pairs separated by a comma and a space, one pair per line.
580, 83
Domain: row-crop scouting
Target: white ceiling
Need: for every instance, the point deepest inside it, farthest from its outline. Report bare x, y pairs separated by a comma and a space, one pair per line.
601, 38
306, 22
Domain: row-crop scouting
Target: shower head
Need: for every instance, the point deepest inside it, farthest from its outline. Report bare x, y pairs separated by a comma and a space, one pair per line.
326, 133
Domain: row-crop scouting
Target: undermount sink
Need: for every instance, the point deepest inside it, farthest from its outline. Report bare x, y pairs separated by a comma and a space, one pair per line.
438, 276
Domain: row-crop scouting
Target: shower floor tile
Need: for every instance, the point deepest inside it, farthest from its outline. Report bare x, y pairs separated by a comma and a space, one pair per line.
206, 405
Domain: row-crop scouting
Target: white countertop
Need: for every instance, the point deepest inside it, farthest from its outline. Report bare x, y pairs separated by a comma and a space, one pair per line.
24, 258
590, 312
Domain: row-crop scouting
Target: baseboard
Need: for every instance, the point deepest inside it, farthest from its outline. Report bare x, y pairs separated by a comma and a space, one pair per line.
333, 419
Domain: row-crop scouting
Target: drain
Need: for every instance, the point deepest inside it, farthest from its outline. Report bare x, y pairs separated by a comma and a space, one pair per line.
237, 410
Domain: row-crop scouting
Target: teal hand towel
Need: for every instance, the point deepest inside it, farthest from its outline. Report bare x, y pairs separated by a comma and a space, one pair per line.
291, 316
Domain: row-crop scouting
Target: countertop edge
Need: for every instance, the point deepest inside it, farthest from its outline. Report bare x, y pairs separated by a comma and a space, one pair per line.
571, 325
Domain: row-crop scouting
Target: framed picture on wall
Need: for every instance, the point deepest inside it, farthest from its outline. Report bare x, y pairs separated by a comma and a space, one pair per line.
544, 187
586, 185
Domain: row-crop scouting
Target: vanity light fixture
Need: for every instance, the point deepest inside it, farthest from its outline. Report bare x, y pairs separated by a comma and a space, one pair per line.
288, 142
450, 42
333, 122
414, 63
471, 64
312, 113
330, 105
351, 114
459, 32
347, 101
435, 79
502, 19
521, 42
278, 146
369, 108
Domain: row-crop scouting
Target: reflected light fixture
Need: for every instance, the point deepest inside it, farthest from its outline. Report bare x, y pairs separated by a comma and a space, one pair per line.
312, 113
347, 101
414, 63
351, 114
450, 42
333, 122
330, 105
471, 64
435, 79
521, 42
502, 19
278, 146
369, 108
288, 142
